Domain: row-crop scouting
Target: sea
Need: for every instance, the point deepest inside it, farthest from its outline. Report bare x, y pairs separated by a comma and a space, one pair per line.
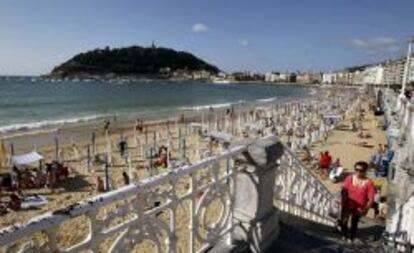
28, 103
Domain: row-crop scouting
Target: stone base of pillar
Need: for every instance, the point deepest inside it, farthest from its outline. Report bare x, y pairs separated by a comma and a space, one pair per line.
260, 234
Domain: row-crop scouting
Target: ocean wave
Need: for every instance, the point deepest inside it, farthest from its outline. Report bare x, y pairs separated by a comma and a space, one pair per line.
46, 123
205, 107
313, 92
264, 100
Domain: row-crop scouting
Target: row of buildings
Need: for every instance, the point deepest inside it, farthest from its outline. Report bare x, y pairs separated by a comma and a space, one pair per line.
390, 72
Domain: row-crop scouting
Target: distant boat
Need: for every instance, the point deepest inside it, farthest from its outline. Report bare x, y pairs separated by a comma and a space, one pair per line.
221, 81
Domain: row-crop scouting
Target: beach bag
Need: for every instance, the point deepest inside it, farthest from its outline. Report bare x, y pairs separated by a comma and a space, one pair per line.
335, 206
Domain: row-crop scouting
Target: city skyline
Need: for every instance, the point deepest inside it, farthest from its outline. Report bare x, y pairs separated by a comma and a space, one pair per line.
235, 35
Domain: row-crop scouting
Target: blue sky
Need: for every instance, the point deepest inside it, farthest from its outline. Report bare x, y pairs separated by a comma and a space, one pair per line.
233, 34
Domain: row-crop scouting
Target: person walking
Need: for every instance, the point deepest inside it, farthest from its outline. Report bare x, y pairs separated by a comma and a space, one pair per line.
358, 194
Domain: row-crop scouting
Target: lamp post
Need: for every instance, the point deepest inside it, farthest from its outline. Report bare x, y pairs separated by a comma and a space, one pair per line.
407, 64
406, 71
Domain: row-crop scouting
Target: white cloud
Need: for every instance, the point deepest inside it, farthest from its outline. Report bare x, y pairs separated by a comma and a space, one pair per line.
378, 44
244, 42
200, 28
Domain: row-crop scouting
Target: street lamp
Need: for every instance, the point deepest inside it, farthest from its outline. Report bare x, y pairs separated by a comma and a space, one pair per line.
407, 65
406, 72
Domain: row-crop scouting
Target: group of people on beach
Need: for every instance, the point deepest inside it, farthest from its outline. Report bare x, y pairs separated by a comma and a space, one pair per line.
23, 178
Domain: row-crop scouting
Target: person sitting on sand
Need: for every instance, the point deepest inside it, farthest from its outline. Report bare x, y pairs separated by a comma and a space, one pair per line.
364, 136
306, 155
15, 202
336, 171
325, 163
100, 187
162, 160
376, 158
15, 178
353, 125
387, 157
126, 178
122, 147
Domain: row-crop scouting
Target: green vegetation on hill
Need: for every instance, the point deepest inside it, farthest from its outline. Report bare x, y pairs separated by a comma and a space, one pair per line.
133, 60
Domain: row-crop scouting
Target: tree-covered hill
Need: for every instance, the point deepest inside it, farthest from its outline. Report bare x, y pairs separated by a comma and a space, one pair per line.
133, 60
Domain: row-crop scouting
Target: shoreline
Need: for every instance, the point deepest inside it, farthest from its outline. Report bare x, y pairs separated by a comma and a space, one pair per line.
94, 123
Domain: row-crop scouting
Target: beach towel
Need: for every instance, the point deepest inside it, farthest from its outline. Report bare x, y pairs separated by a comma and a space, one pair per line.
33, 201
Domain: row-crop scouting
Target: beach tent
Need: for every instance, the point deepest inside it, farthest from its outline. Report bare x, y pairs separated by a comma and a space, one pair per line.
26, 159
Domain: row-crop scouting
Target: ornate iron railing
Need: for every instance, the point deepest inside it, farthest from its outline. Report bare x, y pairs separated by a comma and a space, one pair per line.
146, 211
188, 209
400, 233
298, 192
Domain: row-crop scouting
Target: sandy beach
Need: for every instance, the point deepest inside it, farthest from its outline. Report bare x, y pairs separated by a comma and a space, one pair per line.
81, 183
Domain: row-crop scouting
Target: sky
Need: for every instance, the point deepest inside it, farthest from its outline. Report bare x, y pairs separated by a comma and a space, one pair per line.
235, 35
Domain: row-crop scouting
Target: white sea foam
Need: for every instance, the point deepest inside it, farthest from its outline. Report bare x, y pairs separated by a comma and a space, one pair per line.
204, 107
313, 92
46, 123
264, 100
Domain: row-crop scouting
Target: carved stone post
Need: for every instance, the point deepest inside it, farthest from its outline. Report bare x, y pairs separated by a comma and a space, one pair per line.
254, 212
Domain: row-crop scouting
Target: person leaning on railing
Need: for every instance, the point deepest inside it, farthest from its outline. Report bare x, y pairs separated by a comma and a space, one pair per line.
358, 196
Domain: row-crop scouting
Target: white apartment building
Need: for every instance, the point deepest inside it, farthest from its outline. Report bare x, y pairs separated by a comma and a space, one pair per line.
373, 75
411, 71
271, 77
328, 78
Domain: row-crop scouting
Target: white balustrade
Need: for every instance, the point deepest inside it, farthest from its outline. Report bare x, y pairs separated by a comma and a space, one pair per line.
300, 193
399, 234
120, 220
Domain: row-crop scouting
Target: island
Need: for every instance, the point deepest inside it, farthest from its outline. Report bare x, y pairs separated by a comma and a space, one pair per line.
134, 62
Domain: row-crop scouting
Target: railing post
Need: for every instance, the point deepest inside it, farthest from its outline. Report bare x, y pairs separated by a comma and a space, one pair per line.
254, 212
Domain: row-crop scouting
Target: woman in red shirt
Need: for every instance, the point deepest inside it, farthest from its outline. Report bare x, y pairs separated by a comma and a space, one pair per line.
358, 196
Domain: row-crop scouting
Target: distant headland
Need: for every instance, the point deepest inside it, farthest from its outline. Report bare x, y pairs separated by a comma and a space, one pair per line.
133, 62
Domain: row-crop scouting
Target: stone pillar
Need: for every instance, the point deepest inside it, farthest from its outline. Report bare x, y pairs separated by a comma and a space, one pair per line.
254, 212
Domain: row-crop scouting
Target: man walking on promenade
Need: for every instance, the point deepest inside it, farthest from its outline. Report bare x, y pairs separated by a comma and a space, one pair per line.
358, 196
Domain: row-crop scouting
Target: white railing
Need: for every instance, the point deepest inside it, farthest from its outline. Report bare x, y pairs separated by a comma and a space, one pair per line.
299, 193
188, 209
119, 220
400, 232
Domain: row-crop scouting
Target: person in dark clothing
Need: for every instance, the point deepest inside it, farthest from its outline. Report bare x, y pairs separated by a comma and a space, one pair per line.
126, 178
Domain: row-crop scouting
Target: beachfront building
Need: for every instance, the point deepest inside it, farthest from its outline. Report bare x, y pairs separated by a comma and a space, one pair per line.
317, 77
248, 76
304, 77
393, 72
329, 78
272, 77
200, 75
373, 75
284, 77
411, 71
